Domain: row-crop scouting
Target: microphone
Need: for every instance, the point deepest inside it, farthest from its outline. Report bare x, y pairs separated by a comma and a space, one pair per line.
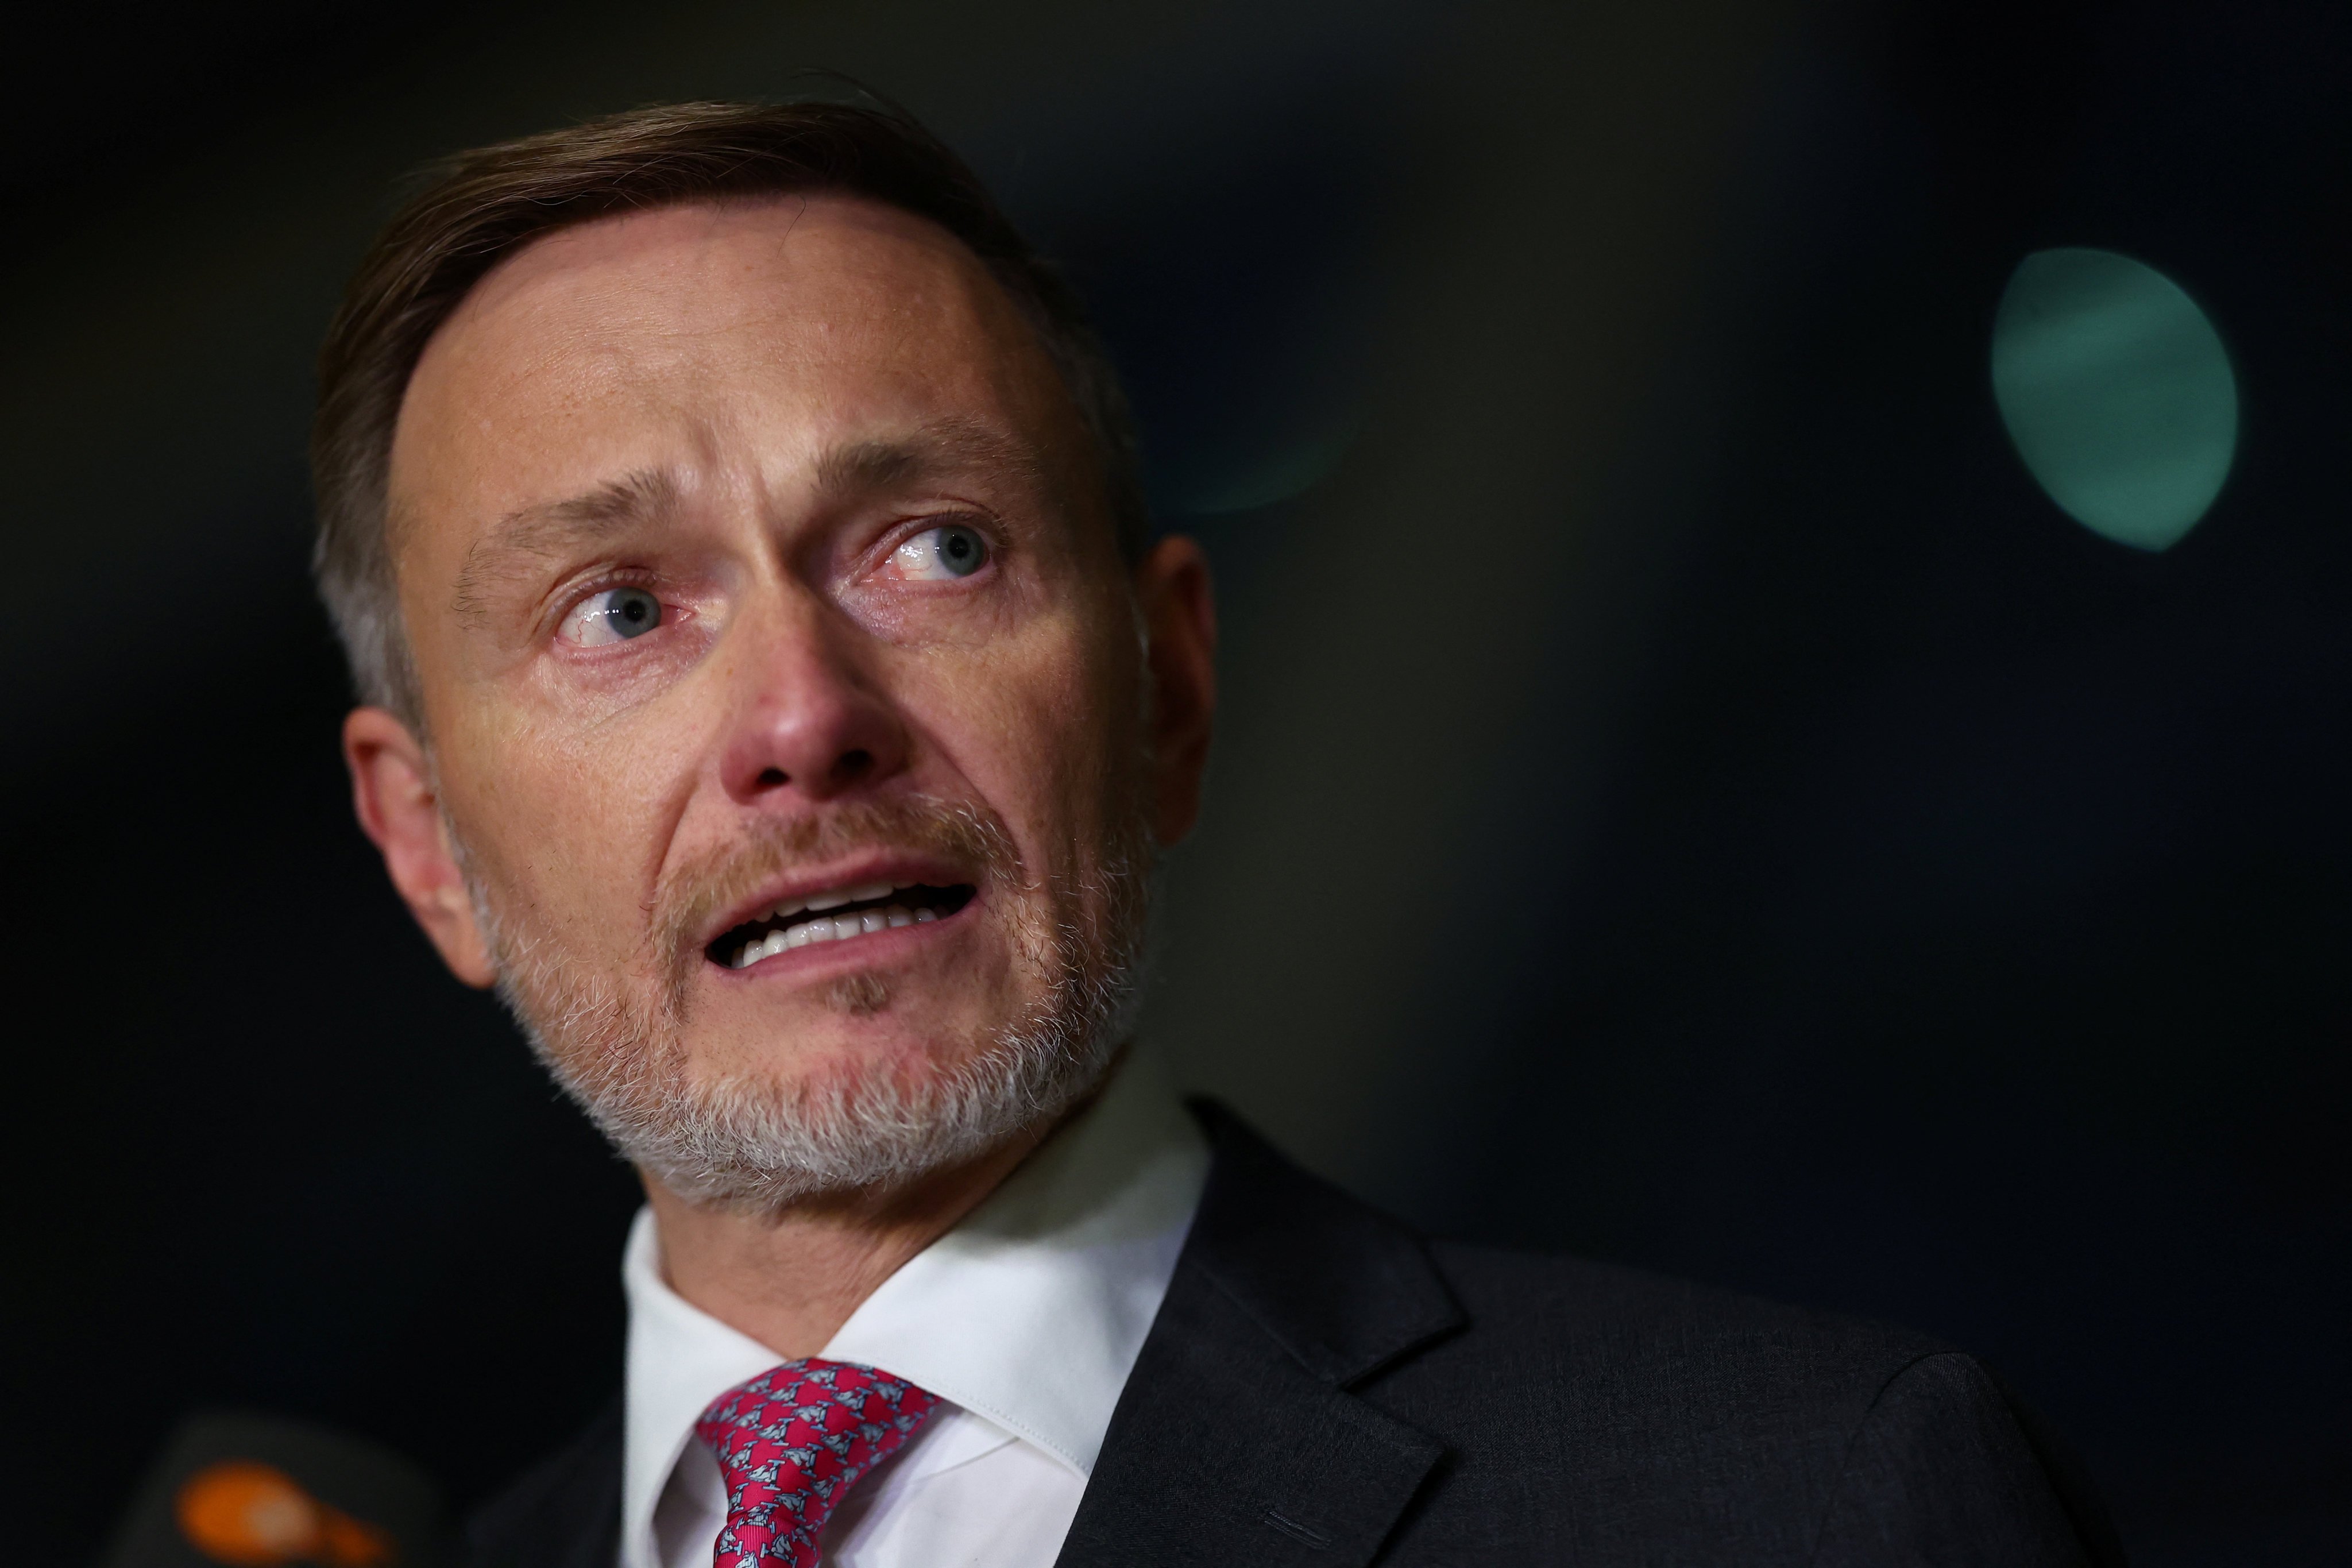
253, 1492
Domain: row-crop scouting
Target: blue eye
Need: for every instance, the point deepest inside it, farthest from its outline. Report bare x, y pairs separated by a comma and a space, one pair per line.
942, 553
614, 615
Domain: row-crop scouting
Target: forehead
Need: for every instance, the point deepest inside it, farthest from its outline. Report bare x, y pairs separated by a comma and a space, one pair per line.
763, 332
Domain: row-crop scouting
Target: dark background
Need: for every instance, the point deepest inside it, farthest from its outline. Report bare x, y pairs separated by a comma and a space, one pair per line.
1685, 794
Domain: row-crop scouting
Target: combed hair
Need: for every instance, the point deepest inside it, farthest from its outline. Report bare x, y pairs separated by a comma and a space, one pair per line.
482, 207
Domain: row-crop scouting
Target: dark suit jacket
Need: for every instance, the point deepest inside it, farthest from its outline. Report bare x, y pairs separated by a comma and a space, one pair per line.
1324, 1387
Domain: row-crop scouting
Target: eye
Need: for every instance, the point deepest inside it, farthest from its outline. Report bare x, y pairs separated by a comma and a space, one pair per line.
614, 615
941, 554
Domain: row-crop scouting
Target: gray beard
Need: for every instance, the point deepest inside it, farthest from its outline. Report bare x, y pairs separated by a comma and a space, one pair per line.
749, 1145
753, 1147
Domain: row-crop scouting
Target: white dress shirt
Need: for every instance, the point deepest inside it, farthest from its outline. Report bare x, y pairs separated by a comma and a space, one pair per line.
1025, 1320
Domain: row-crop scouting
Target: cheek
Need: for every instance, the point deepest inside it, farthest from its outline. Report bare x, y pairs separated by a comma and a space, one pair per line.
1041, 728
572, 822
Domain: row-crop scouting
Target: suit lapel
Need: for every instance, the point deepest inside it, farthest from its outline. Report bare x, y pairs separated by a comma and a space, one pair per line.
1237, 1439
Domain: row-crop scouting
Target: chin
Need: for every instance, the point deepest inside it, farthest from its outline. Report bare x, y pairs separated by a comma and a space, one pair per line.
760, 1079
856, 1034
867, 1104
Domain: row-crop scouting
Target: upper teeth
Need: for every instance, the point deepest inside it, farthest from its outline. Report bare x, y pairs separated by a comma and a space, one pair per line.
829, 928
832, 900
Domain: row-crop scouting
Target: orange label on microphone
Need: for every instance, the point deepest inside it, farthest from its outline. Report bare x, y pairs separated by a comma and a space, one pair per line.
252, 1515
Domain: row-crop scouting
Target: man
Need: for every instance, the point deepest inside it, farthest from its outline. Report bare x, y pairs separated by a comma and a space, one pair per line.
770, 684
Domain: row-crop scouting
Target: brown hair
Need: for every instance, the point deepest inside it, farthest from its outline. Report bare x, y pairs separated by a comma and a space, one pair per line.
486, 205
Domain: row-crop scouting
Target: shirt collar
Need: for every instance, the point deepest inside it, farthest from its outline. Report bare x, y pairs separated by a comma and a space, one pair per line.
1029, 1313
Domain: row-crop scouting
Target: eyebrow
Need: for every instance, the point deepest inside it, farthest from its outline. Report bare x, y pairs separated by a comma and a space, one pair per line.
611, 507
940, 448
554, 528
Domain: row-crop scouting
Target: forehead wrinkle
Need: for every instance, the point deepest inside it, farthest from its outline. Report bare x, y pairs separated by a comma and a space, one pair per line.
548, 530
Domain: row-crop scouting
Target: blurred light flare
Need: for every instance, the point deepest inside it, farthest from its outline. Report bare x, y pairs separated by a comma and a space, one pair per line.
2117, 393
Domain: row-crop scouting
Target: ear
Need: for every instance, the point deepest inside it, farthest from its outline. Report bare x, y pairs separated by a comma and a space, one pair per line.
392, 790
1179, 619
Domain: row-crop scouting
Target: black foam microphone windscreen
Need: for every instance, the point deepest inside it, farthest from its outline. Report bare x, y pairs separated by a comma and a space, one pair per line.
253, 1491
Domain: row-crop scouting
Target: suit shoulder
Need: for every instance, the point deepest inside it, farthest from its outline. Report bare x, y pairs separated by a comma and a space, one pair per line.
1609, 1320
563, 1512
1621, 1406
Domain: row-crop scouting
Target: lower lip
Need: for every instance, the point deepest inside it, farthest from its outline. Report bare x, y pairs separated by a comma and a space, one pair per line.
845, 952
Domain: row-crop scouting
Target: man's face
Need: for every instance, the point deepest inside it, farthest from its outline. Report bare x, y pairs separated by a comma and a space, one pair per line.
784, 690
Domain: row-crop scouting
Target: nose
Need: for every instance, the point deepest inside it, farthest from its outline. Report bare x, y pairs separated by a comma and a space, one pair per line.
810, 724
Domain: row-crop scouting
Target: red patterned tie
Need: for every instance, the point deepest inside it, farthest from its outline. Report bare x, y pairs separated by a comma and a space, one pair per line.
791, 1442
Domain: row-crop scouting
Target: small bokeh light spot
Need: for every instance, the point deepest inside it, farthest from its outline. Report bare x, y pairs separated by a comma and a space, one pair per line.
2117, 392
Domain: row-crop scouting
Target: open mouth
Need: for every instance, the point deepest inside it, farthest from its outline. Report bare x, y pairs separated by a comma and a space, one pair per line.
835, 915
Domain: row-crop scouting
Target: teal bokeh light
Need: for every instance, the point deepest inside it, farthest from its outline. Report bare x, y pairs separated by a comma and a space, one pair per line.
2117, 392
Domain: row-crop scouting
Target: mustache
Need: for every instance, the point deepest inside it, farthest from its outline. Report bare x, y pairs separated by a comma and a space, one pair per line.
962, 833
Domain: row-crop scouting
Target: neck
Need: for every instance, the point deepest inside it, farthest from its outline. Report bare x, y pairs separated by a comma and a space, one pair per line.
789, 1279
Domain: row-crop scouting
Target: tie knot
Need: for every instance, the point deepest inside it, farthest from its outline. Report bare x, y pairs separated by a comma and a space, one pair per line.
791, 1442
